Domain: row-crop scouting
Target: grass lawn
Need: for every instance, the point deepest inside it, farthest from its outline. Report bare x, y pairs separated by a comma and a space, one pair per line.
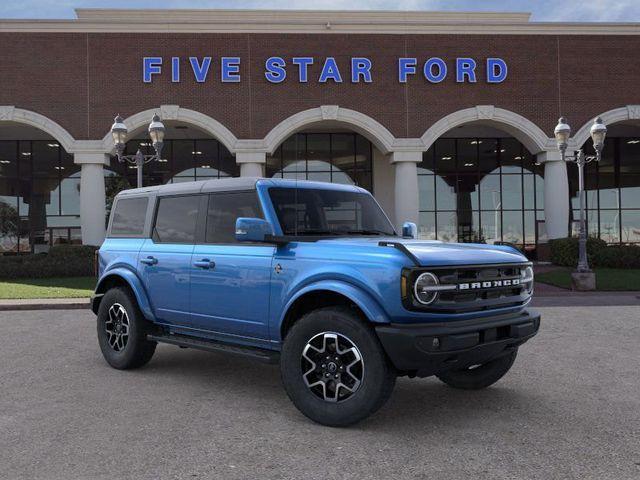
71, 287
607, 279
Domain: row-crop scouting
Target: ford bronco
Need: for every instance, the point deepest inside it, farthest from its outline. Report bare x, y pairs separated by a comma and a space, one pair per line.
313, 276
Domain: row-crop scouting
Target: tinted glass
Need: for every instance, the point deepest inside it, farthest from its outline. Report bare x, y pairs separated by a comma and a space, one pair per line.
328, 212
224, 210
128, 216
344, 158
176, 219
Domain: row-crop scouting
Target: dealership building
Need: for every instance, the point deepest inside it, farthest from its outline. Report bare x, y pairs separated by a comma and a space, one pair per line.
447, 118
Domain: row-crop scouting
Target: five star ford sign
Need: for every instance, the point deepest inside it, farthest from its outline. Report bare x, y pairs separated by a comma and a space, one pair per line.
361, 69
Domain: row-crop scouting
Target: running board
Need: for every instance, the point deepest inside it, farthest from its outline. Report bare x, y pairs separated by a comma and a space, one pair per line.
260, 354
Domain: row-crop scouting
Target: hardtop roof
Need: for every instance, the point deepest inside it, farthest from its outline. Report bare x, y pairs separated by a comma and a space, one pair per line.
232, 184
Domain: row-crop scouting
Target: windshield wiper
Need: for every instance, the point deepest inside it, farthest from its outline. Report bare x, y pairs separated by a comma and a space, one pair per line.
369, 232
311, 232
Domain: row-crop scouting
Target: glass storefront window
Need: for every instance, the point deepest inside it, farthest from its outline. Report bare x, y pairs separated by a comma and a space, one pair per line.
427, 227
480, 190
182, 161
630, 224
426, 187
327, 157
612, 190
39, 195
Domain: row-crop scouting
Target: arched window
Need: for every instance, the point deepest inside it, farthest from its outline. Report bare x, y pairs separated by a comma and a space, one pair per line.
39, 200
182, 161
612, 189
480, 190
328, 157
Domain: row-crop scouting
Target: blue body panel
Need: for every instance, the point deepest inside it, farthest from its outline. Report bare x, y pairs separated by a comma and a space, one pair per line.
245, 294
233, 296
168, 281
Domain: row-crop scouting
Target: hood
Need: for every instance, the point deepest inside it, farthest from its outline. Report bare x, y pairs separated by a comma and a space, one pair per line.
439, 253
436, 253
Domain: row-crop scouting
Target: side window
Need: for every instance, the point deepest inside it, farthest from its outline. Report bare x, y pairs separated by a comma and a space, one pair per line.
176, 219
224, 209
128, 216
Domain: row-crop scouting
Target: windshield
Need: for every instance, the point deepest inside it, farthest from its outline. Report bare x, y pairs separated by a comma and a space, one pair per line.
306, 211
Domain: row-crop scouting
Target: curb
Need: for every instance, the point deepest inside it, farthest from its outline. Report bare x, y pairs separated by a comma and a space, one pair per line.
44, 304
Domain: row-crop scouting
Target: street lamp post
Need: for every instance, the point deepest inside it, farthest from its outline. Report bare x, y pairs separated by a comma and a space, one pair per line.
562, 133
119, 133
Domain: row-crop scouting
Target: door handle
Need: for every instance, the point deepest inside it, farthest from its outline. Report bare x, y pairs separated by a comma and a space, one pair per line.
204, 263
149, 260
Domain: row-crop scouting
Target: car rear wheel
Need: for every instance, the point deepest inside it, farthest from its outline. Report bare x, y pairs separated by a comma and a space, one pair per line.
477, 377
334, 368
122, 331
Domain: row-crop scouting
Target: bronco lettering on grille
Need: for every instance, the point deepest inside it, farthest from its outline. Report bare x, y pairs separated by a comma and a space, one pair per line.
508, 282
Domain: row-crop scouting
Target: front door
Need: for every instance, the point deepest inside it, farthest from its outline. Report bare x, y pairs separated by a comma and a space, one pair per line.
165, 259
230, 281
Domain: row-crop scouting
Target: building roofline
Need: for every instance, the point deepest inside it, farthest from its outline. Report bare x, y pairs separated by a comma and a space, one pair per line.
287, 15
311, 22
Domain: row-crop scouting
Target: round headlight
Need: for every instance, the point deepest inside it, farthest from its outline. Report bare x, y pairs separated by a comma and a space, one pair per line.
526, 278
423, 288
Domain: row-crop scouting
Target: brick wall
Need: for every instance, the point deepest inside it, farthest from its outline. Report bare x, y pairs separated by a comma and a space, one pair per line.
82, 80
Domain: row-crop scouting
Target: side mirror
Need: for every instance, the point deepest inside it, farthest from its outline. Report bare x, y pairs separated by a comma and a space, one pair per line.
252, 229
409, 230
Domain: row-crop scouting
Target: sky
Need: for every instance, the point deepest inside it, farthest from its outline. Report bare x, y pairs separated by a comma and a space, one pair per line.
542, 10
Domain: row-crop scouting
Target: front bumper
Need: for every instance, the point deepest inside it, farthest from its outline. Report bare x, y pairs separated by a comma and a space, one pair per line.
429, 348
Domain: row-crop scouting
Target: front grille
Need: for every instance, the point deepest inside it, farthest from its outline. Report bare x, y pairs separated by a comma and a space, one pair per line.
473, 288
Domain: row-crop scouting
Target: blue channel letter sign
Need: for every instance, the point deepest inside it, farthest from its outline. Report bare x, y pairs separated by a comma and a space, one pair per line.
325, 70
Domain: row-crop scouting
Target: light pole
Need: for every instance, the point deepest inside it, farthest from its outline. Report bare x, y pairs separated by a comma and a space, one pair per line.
119, 133
562, 133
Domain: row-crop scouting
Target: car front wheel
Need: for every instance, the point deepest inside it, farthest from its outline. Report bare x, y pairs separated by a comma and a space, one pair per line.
334, 368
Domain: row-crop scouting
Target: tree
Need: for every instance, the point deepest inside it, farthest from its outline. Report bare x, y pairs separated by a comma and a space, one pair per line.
113, 185
9, 221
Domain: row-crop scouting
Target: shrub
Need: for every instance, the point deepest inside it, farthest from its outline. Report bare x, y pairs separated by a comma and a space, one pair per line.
618, 256
564, 251
61, 261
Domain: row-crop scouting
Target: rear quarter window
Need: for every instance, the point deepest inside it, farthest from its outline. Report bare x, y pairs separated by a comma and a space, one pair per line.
176, 219
128, 216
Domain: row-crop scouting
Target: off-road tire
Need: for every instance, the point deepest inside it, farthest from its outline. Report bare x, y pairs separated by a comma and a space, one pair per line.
378, 375
137, 350
481, 376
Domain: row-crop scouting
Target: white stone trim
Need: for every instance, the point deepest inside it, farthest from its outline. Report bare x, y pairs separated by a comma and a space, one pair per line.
251, 157
382, 138
406, 156
309, 21
10, 113
92, 196
629, 112
177, 113
531, 136
549, 156
406, 190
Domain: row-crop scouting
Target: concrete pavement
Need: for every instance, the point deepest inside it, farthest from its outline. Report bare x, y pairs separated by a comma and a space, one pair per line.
570, 408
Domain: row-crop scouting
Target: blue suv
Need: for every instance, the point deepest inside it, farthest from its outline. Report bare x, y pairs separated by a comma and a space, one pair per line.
313, 276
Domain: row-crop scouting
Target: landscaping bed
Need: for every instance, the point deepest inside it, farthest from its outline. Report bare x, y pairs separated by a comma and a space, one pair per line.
607, 279
68, 287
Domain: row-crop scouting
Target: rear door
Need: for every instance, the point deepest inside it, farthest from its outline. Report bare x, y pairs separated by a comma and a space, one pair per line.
230, 281
165, 258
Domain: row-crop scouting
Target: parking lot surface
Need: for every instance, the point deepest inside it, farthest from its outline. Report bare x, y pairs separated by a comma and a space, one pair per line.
569, 408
